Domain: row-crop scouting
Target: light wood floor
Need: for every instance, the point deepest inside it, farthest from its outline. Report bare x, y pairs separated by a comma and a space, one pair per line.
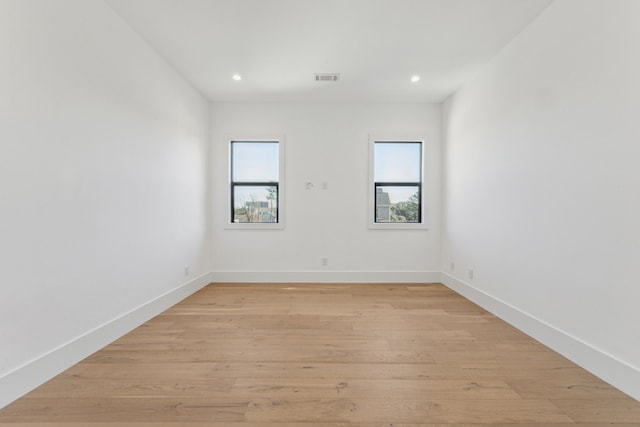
297, 355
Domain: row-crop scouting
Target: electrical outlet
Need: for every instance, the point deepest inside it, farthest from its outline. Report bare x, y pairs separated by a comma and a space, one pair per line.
186, 271
452, 266
324, 262
471, 273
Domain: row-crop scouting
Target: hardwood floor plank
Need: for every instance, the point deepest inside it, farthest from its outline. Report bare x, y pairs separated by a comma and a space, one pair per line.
626, 410
404, 411
126, 410
331, 370
247, 354
167, 371
565, 388
332, 388
142, 387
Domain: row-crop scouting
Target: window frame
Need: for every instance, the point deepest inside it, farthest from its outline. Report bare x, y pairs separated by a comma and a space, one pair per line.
373, 185
279, 185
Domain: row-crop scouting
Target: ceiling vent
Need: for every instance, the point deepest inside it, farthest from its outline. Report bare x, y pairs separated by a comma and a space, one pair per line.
327, 77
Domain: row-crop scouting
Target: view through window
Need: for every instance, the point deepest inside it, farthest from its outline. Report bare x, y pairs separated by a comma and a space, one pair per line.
398, 181
255, 175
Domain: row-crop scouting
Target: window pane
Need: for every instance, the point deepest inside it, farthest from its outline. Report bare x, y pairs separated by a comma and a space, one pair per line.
254, 161
397, 204
255, 203
397, 161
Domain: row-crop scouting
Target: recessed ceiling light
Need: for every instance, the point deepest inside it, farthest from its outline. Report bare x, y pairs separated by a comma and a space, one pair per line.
415, 78
236, 77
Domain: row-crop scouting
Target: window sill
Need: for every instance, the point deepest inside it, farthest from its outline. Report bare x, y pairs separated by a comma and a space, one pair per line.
254, 226
397, 226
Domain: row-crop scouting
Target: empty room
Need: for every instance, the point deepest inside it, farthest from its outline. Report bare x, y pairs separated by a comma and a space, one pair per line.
319, 213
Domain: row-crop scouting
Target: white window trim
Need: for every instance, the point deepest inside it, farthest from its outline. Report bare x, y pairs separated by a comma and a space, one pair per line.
371, 223
229, 225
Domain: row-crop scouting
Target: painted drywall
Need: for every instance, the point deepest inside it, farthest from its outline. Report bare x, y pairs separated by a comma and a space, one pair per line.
541, 181
103, 177
325, 143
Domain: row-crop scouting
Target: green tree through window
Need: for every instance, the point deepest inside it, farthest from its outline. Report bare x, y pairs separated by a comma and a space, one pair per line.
406, 211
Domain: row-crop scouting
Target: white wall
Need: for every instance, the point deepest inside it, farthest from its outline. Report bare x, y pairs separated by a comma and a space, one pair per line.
325, 143
103, 182
541, 185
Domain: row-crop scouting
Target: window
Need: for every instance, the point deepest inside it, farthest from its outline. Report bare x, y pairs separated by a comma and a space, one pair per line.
396, 171
255, 175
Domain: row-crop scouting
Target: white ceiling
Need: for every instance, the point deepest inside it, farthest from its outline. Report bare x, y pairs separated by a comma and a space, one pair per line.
375, 45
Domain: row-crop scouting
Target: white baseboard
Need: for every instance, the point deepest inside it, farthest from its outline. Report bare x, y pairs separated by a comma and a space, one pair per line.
610, 369
326, 276
27, 377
